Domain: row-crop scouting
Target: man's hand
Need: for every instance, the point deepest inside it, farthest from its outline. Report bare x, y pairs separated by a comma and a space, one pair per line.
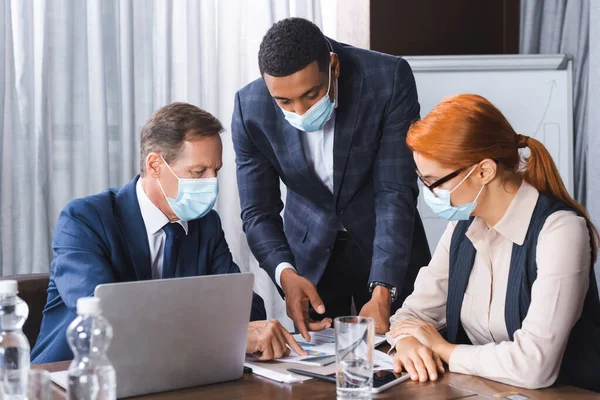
417, 359
299, 291
269, 339
378, 308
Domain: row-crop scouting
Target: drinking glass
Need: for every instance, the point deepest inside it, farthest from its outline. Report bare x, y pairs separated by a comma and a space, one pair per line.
354, 357
38, 385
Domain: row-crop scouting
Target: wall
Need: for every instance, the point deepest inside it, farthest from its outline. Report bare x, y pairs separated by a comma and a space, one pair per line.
439, 27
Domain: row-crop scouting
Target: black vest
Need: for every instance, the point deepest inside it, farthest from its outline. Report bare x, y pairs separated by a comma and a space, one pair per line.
581, 362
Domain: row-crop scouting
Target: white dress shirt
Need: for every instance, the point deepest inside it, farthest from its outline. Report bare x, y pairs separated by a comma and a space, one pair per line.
563, 258
154, 220
318, 150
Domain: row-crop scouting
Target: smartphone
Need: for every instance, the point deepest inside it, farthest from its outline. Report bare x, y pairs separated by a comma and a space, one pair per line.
382, 380
385, 379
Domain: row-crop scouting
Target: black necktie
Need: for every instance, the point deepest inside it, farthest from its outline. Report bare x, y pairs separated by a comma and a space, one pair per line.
174, 231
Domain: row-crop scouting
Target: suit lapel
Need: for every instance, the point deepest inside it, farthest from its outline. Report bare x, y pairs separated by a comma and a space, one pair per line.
293, 141
345, 121
129, 219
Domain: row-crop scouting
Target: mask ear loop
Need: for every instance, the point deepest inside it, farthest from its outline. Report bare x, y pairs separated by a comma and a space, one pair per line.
159, 184
168, 166
329, 80
479, 194
480, 191
161, 189
334, 83
466, 177
324, 98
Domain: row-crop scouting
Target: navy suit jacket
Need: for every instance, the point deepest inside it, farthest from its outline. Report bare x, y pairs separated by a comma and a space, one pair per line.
102, 239
375, 184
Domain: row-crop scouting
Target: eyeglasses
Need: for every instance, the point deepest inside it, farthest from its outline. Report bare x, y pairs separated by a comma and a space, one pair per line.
440, 181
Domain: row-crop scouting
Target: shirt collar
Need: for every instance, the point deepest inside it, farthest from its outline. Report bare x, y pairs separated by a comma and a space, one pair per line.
514, 224
154, 219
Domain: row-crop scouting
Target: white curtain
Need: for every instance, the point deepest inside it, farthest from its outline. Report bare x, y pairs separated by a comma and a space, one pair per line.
572, 27
593, 149
562, 26
78, 79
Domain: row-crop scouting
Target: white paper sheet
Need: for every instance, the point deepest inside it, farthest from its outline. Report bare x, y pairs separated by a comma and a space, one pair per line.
382, 361
321, 344
275, 375
278, 371
61, 378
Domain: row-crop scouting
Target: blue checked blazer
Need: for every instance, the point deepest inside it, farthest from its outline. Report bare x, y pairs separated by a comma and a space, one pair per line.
375, 184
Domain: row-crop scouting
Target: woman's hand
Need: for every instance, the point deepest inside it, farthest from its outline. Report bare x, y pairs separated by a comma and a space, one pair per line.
426, 334
418, 360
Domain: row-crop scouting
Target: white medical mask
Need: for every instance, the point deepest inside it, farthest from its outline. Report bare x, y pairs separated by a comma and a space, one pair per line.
442, 206
315, 117
195, 197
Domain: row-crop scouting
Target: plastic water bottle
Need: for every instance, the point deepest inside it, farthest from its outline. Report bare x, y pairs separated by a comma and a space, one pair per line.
91, 375
14, 346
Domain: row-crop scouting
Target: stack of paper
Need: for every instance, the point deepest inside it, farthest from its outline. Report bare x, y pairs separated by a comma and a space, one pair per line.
320, 349
278, 371
328, 335
61, 378
320, 359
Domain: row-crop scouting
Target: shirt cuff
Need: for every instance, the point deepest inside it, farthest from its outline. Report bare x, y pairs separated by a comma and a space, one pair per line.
393, 341
463, 359
279, 270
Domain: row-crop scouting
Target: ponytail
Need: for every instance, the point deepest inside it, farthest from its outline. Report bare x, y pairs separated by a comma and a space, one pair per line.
540, 172
464, 129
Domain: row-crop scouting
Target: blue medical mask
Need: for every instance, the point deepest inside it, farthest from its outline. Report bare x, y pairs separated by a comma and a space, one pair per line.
315, 117
195, 197
442, 206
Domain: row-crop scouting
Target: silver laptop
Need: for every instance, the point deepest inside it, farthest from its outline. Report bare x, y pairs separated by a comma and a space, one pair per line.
177, 333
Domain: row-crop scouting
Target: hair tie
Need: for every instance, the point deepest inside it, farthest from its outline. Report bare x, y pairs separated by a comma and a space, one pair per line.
522, 141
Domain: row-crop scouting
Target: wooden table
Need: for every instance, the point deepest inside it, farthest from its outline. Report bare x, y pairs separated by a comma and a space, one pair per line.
450, 386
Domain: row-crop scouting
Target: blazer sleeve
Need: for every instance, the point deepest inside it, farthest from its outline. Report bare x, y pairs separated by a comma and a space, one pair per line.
222, 263
81, 258
395, 182
260, 199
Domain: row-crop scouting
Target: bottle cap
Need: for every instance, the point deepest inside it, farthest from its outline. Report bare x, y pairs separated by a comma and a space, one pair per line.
8, 287
89, 306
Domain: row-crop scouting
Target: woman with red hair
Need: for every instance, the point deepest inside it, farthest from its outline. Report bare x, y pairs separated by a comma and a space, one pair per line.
510, 293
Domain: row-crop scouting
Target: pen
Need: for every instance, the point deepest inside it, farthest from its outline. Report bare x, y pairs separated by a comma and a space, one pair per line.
327, 378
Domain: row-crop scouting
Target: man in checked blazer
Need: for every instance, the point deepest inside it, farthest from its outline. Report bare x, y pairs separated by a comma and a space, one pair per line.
330, 121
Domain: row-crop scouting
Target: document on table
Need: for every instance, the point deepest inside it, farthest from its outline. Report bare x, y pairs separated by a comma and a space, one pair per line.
278, 371
61, 378
382, 361
328, 335
320, 349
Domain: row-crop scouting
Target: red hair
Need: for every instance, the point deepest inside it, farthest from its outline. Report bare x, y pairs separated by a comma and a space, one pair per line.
465, 129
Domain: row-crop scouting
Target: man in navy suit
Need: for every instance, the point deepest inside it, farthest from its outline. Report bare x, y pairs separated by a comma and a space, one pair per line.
160, 225
330, 121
